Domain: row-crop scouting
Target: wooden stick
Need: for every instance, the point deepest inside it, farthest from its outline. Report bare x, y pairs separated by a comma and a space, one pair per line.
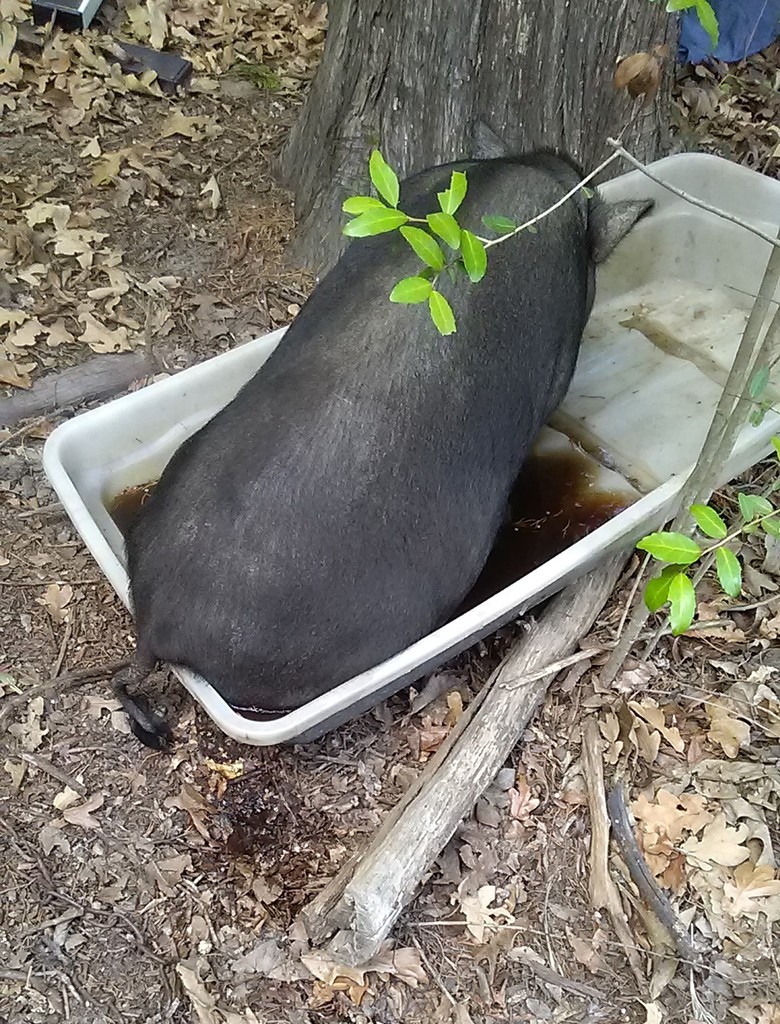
604, 894
365, 899
97, 378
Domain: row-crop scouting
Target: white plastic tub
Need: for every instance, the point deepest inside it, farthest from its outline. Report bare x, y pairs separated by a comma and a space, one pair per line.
642, 397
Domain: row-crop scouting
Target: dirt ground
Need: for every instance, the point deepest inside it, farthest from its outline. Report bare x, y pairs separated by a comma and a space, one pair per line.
165, 887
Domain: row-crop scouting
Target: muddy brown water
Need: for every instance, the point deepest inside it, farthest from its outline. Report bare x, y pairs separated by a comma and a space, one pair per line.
555, 502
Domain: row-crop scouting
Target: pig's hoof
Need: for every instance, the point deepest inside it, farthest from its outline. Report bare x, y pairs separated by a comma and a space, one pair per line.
151, 729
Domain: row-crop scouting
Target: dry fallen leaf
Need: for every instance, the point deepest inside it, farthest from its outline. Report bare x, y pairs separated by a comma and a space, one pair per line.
654, 1013
756, 889
480, 916
51, 837
26, 335
720, 844
16, 375
203, 1003
212, 193
228, 770
656, 717
65, 799
181, 124
82, 815
100, 338
30, 732
728, 732
56, 601
521, 800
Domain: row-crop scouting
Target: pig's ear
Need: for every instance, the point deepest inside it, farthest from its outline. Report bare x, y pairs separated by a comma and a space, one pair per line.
487, 145
610, 222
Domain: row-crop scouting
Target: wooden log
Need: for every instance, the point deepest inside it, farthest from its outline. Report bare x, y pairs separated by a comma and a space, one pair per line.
361, 904
99, 377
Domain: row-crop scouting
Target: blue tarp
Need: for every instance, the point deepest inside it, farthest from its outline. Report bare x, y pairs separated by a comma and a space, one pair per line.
746, 26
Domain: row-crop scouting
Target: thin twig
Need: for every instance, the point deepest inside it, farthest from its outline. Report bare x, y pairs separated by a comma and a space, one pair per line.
641, 876
693, 200
50, 769
434, 973
564, 199
5, 441
552, 669
61, 683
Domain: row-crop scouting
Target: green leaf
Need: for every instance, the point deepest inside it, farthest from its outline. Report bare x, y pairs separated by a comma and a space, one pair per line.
776, 445
758, 415
772, 526
753, 505
729, 571
441, 313
427, 248
474, 256
674, 548
706, 15
501, 225
374, 222
682, 598
359, 204
587, 192
709, 522
709, 21
446, 227
657, 589
758, 382
384, 178
450, 200
411, 290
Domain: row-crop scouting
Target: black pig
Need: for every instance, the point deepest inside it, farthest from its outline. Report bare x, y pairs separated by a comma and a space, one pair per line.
345, 501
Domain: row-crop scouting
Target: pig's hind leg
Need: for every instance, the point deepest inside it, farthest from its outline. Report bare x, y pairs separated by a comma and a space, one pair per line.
148, 727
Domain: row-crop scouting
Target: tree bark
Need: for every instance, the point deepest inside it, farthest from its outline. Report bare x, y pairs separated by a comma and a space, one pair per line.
414, 78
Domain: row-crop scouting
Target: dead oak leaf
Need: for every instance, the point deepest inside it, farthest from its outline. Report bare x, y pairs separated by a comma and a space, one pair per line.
404, 963
656, 717
27, 334
43, 212
182, 124
727, 732
720, 844
201, 1000
671, 815
158, 24
12, 317
58, 334
190, 800
16, 375
480, 916
82, 815
522, 802
753, 1012
92, 148
78, 242
100, 338
56, 601
65, 799
30, 733
756, 889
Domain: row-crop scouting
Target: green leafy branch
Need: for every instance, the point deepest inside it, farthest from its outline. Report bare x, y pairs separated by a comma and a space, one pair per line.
677, 552
467, 251
705, 12
467, 254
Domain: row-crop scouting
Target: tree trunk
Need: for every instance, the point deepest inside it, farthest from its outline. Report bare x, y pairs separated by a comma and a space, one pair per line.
414, 78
